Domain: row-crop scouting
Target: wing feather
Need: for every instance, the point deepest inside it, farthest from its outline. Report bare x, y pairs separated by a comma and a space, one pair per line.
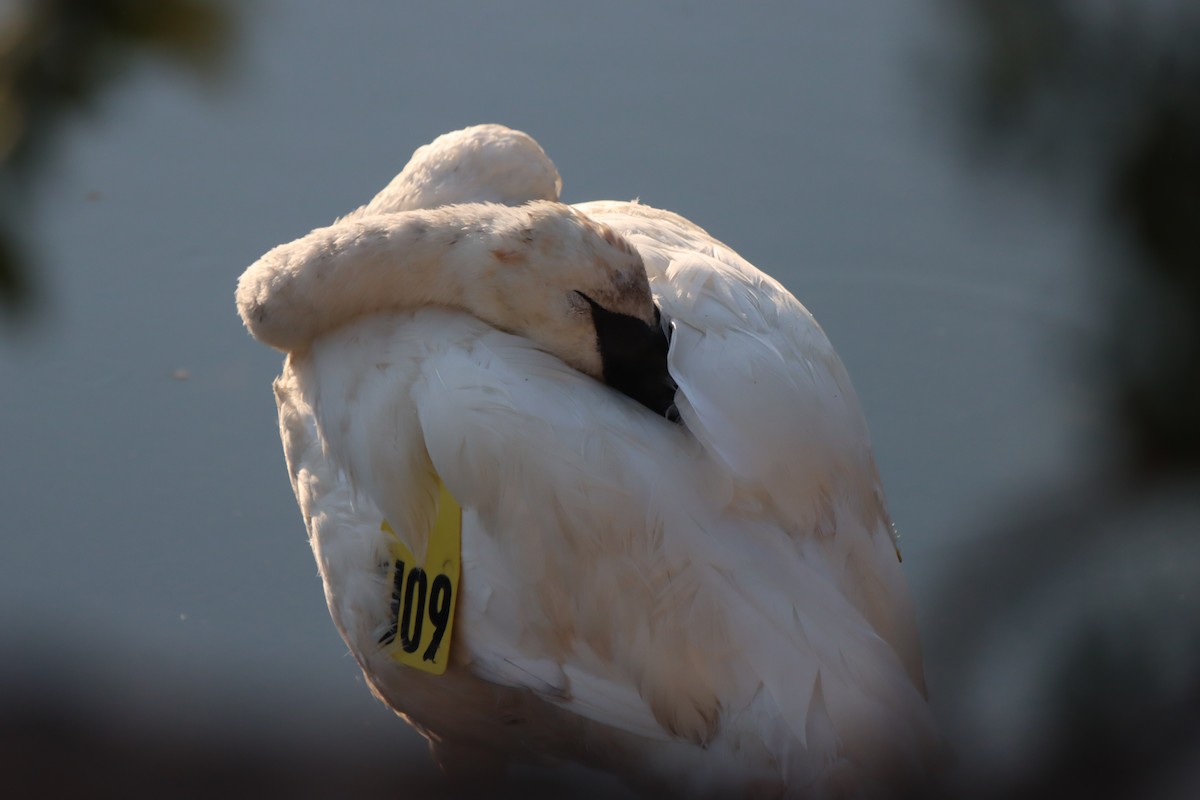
669, 583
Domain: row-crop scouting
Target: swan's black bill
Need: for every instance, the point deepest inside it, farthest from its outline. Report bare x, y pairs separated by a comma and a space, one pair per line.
634, 356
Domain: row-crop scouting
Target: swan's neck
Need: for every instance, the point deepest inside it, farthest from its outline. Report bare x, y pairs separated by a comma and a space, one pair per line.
530, 270
396, 262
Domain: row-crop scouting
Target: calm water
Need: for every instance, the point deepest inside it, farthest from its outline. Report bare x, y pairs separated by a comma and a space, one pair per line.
153, 555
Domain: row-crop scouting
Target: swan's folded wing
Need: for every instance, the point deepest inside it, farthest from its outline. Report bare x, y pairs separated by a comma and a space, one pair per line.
607, 576
599, 571
566, 480
760, 384
764, 391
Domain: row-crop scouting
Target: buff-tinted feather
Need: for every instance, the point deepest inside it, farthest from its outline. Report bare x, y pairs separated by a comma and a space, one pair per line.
714, 608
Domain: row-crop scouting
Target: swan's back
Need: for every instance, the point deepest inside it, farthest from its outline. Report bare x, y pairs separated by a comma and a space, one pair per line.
480, 164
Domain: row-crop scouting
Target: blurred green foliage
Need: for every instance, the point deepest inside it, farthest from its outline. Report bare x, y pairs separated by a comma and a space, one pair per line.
1101, 101
1098, 103
56, 58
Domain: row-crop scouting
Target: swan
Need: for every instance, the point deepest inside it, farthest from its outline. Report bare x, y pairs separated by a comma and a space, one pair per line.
673, 553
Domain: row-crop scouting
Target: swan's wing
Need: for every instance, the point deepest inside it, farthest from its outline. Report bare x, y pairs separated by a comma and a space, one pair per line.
672, 610
570, 482
760, 382
763, 389
551, 470
606, 569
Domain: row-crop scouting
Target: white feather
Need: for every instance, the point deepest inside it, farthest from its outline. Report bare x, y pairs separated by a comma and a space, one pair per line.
705, 609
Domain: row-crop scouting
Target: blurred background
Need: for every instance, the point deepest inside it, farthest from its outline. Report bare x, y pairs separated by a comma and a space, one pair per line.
992, 206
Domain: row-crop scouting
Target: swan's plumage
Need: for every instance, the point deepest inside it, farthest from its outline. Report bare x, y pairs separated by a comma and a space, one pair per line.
501, 165
519, 269
762, 388
708, 608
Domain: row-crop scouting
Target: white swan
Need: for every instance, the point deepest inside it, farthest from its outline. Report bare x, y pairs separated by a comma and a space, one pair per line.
712, 608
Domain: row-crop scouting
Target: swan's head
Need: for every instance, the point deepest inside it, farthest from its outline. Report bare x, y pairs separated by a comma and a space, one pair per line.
581, 292
633, 358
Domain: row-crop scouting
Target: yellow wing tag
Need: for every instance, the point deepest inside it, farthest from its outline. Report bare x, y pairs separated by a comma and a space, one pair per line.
424, 596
